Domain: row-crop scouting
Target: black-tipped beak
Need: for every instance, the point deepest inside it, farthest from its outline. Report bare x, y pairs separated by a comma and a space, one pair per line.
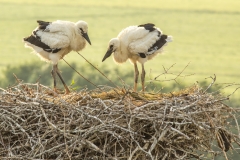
108, 54
85, 35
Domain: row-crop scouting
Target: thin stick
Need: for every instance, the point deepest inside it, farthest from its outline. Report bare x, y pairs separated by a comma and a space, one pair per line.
81, 74
237, 126
16, 78
98, 70
166, 71
213, 81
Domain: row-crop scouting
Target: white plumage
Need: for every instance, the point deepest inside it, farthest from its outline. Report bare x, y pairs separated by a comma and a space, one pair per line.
138, 44
51, 41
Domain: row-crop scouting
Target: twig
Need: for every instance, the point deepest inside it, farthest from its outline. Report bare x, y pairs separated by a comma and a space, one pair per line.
210, 85
81, 75
180, 133
98, 70
166, 71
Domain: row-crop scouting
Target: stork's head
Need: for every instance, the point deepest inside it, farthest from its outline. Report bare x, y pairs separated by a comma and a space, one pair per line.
114, 44
83, 30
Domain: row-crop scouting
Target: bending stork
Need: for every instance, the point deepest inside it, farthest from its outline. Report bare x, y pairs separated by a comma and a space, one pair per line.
53, 40
138, 44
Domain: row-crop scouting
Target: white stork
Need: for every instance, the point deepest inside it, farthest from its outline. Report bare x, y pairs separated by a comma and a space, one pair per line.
53, 40
138, 44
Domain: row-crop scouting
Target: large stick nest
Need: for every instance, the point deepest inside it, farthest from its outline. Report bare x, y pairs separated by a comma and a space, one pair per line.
114, 124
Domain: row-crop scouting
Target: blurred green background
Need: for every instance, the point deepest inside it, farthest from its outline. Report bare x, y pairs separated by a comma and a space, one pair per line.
206, 35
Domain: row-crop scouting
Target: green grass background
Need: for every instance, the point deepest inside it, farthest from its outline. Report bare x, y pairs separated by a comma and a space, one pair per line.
206, 33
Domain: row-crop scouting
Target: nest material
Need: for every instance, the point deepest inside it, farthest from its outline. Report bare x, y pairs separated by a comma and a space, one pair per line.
114, 124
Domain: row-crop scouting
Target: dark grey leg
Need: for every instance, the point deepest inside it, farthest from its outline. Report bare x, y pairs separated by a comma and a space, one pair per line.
136, 73
143, 78
53, 72
64, 84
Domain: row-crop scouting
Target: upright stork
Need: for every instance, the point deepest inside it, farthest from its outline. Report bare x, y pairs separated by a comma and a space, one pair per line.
51, 41
138, 44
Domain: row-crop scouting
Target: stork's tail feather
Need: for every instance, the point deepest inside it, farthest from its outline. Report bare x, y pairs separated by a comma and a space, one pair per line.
35, 41
32, 40
169, 39
42, 24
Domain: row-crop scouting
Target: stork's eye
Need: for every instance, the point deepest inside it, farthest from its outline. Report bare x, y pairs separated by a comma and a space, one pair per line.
111, 46
81, 30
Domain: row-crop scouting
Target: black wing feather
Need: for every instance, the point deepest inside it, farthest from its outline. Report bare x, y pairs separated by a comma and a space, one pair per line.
148, 26
159, 43
42, 24
37, 42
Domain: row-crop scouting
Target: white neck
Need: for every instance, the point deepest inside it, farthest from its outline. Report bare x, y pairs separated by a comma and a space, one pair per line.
119, 57
78, 42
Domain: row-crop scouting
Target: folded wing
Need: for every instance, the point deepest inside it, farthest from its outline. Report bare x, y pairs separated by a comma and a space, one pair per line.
55, 34
143, 38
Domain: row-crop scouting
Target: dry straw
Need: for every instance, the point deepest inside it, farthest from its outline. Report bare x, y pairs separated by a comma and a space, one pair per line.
96, 124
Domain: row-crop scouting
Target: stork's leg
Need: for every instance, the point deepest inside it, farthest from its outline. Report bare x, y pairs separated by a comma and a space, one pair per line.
54, 71
64, 84
136, 73
143, 77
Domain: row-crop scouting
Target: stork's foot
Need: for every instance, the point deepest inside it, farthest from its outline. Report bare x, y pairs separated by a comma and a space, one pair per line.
52, 93
143, 88
67, 91
55, 94
58, 91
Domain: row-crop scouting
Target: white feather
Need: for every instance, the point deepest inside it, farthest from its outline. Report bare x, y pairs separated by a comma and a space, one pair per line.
62, 35
54, 40
134, 40
137, 44
142, 45
169, 39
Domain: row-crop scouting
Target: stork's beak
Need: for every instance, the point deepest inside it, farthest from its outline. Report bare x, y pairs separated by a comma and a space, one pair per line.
108, 54
85, 35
